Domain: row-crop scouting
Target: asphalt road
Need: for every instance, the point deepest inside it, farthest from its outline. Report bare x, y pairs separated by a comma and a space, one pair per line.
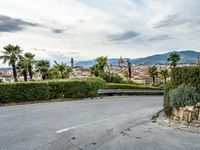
112, 123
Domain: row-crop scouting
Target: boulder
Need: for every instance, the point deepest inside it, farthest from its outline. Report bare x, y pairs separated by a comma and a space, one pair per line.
195, 114
197, 105
185, 116
181, 110
199, 117
189, 108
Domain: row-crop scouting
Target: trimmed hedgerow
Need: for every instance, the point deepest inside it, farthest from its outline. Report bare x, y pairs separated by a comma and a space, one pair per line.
187, 75
46, 90
129, 86
181, 75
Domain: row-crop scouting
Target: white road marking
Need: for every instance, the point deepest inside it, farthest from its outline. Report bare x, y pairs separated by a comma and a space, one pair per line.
93, 122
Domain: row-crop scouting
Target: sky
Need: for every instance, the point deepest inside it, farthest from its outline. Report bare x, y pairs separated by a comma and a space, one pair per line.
85, 29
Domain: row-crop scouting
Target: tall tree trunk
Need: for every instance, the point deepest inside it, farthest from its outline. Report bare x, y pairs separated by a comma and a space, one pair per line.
165, 80
129, 71
30, 72
25, 75
153, 80
14, 72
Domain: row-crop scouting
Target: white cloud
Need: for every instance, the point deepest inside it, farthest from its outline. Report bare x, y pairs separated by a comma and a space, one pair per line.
84, 27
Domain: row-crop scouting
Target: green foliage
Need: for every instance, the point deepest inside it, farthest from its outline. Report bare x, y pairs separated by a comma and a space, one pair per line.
111, 78
166, 105
153, 73
101, 63
11, 54
186, 75
62, 69
164, 74
128, 86
189, 75
42, 67
174, 58
184, 95
46, 90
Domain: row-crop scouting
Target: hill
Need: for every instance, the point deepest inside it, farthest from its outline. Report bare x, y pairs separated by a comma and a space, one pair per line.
188, 56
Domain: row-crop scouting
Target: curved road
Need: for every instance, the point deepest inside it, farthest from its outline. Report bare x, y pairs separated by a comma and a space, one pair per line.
109, 123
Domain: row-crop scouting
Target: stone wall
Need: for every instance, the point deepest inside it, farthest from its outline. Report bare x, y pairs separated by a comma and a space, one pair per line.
188, 115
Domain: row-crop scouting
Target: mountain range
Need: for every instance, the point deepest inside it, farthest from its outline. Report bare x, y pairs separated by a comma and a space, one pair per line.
188, 56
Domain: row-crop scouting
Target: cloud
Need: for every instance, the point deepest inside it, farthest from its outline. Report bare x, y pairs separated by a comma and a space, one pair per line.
172, 20
160, 38
58, 30
124, 36
8, 24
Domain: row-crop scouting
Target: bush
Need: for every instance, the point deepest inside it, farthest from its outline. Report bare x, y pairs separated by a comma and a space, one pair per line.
128, 86
184, 95
187, 75
111, 78
46, 90
181, 75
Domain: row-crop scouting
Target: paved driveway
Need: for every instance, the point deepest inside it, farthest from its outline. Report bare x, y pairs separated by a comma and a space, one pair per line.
108, 123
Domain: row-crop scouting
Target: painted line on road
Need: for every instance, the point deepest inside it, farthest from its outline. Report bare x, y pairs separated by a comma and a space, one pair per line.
93, 122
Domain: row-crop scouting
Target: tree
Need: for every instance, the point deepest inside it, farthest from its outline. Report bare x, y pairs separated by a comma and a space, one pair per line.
153, 73
101, 63
30, 61
95, 70
11, 55
165, 74
42, 67
22, 68
63, 70
197, 61
72, 62
129, 69
174, 58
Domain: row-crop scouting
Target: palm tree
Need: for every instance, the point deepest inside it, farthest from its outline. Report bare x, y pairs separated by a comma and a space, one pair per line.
129, 69
63, 70
165, 74
42, 66
30, 61
11, 55
101, 63
153, 73
174, 58
22, 68
72, 62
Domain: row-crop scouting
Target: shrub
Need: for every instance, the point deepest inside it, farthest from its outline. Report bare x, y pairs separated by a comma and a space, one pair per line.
181, 75
187, 75
111, 78
184, 95
45, 90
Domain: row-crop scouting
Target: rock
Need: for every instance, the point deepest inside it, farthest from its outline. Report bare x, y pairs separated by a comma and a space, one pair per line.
185, 116
189, 108
199, 117
181, 110
176, 112
195, 114
197, 105
189, 117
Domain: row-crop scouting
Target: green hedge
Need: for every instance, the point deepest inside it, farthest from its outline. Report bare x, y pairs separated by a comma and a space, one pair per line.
46, 90
181, 75
128, 86
187, 75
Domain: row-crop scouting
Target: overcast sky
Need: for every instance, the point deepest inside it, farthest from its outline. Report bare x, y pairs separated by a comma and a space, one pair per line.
85, 29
